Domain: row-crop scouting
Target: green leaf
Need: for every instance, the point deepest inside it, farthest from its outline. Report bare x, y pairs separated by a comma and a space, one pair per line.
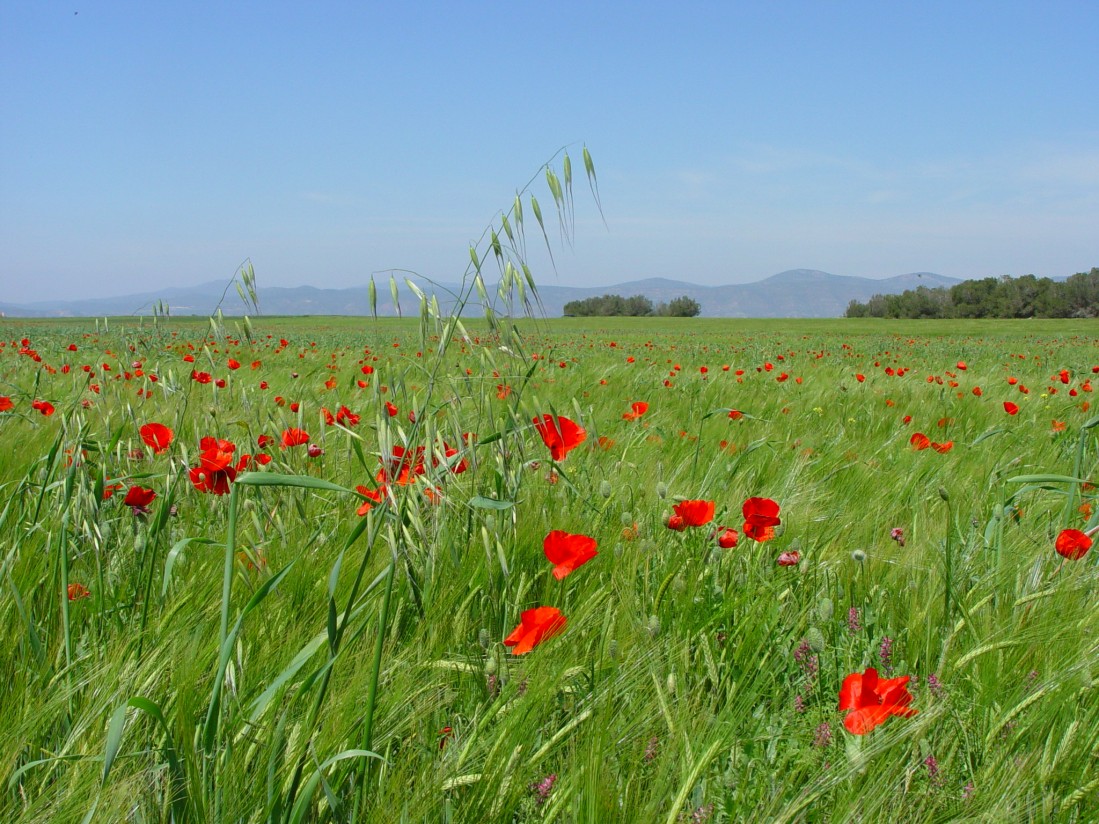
278, 479
480, 502
114, 741
174, 555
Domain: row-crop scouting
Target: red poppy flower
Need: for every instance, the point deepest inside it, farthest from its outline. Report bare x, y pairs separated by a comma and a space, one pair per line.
559, 434
156, 436
790, 558
346, 417
263, 440
372, 497
449, 452
205, 480
294, 437
201, 377
695, 513
639, 408
1073, 544
942, 448
77, 591
390, 409
919, 441
215, 470
45, 407
567, 552
735, 414
139, 496
329, 418
535, 626
216, 454
760, 518
873, 701
675, 522
234, 364
1011, 408
5, 403
402, 466
727, 538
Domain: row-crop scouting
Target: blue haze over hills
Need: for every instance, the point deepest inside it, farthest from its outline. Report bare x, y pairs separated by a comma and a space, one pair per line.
797, 293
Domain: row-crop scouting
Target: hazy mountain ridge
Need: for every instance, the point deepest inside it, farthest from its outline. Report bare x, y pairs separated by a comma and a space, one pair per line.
793, 293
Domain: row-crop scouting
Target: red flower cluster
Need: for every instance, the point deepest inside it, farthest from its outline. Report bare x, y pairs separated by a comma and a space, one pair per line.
690, 513
216, 470
921, 441
344, 417
638, 408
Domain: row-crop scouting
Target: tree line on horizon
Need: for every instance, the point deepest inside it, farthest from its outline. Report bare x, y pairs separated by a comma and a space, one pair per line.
1003, 297
635, 306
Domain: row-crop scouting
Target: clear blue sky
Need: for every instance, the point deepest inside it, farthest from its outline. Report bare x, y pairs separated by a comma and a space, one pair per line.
151, 144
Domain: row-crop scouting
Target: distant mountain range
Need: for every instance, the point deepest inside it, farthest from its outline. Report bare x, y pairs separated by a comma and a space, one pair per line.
797, 293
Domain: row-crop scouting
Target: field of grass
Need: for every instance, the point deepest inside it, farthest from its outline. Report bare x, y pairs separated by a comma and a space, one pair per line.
325, 641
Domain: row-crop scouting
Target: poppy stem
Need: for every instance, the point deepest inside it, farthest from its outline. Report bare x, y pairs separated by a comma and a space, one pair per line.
379, 644
948, 564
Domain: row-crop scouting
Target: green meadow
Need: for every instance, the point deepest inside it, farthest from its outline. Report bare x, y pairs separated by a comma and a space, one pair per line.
324, 641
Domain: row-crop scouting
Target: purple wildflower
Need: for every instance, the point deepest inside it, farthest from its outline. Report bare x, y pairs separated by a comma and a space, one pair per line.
885, 654
543, 788
854, 625
935, 685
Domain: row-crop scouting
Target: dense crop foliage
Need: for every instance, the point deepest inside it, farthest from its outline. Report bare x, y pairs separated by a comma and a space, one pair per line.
325, 640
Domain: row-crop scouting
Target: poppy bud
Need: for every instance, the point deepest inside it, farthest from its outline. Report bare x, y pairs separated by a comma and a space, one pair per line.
654, 626
605, 489
314, 451
943, 493
815, 638
859, 556
484, 638
662, 490
675, 522
626, 518
824, 610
